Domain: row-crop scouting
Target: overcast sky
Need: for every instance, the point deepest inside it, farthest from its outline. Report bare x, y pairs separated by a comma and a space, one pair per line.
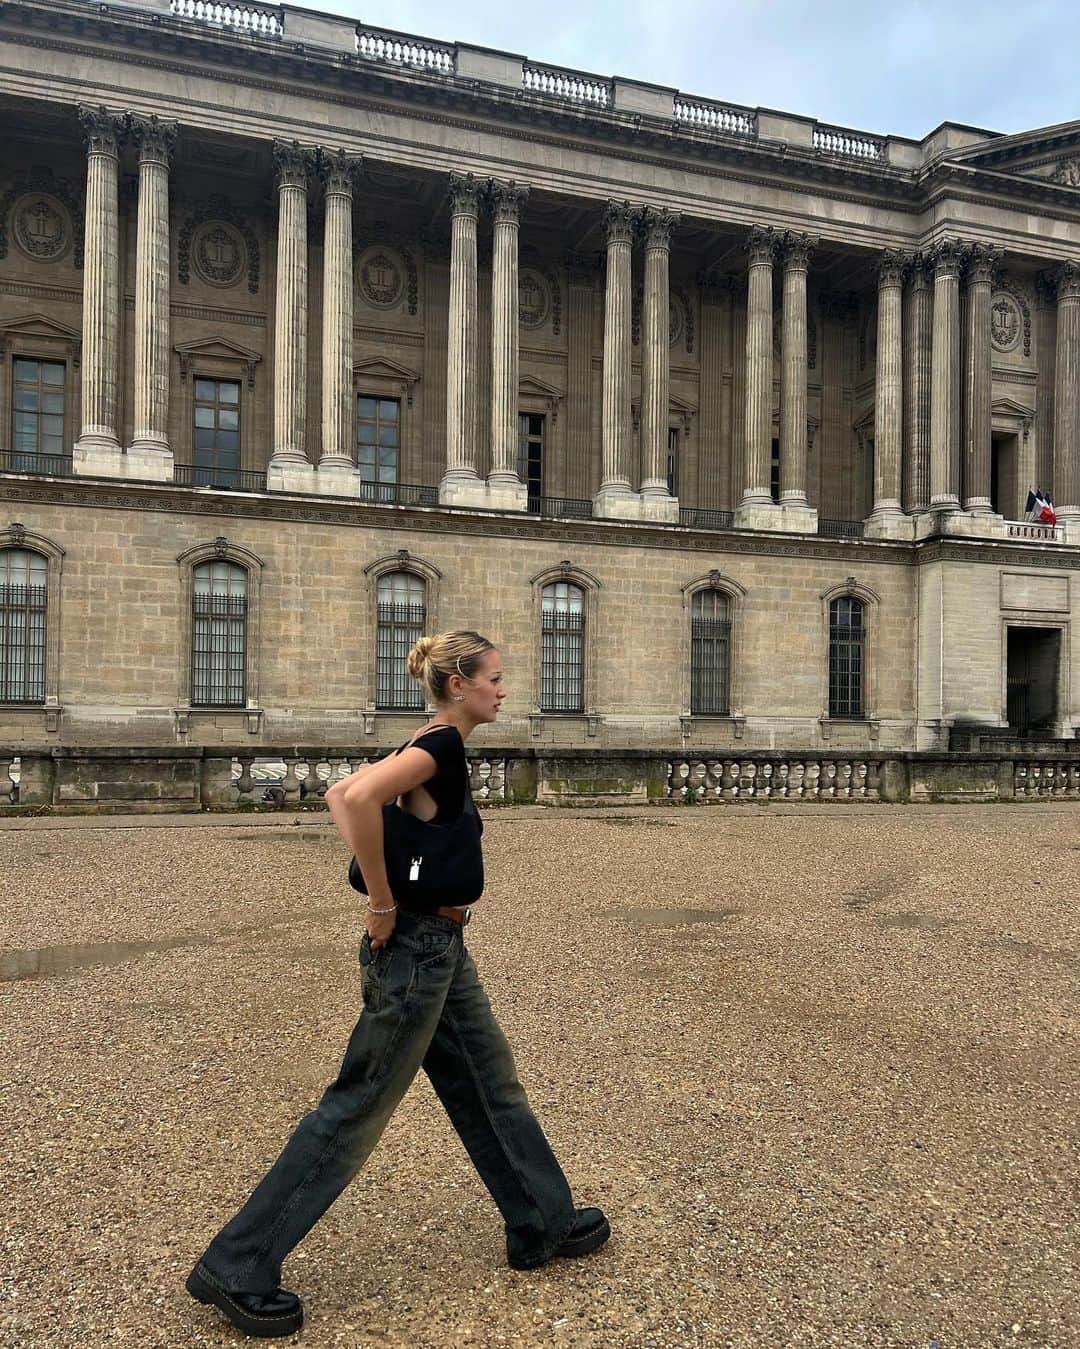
1003, 65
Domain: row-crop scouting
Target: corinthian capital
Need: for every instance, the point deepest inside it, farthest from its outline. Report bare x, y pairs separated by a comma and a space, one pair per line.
338, 171
1068, 281
506, 200
293, 163
761, 243
619, 220
155, 138
795, 249
892, 266
946, 257
657, 224
982, 261
465, 192
103, 130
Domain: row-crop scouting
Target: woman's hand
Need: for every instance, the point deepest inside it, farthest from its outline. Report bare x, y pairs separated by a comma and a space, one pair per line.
380, 926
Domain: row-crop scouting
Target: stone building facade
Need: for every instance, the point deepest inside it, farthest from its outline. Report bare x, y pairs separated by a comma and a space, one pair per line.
719, 422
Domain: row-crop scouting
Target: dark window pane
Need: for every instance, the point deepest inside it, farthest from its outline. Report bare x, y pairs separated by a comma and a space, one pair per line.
204, 416
52, 372
228, 419
26, 399
230, 392
365, 407
206, 389
27, 370
388, 410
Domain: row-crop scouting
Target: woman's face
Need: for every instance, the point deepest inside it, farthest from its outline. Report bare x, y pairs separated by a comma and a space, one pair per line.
484, 693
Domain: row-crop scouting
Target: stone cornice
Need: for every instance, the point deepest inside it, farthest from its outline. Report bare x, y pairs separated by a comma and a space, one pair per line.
95, 494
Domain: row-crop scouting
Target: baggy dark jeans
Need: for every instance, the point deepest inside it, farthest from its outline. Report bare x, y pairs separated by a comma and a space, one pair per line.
424, 1006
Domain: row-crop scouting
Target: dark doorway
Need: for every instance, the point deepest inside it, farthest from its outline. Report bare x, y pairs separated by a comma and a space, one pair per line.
1032, 677
1004, 489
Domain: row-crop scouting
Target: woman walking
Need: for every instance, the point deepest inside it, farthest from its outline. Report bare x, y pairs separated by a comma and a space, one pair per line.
424, 1007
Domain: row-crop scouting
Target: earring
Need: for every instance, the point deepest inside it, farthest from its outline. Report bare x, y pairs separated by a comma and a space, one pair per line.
459, 697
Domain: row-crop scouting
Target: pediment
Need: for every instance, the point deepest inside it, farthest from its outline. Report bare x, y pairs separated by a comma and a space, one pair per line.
380, 368
220, 347
1050, 154
1009, 407
536, 388
40, 325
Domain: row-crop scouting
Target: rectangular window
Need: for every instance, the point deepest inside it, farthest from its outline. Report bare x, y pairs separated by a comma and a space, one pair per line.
400, 626
561, 662
710, 644
37, 414
22, 643
219, 624
217, 433
672, 459
774, 472
378, 444
846, 647
530, 456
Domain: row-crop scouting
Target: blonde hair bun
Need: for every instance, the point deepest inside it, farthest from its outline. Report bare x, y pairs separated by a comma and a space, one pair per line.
418, 656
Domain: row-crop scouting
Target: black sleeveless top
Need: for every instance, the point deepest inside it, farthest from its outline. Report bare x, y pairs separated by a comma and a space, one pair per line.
448, 786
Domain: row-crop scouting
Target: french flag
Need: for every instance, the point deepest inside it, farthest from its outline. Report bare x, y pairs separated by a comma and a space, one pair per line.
1041, 508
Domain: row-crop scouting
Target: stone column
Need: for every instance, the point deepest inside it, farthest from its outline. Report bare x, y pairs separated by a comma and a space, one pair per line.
575, 476
756, 506
150, 443
945, 390
795, 251
886, 517
337, 460
505, 488
1040, 472
289, 468
615, 487
658, 503
1066, 490
981, 262
98, 447
918, 334
461, 480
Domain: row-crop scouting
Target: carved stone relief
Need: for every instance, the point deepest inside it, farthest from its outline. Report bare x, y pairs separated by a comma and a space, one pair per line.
44, 215
380, 274
218, 253
218, 241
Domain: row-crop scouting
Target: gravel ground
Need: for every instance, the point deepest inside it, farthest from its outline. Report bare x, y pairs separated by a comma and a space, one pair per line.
819, 1066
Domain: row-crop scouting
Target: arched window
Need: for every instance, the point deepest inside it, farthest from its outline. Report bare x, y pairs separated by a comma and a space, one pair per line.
562, 648
23, 591
219, 635
710, 653
401, 619
847, 656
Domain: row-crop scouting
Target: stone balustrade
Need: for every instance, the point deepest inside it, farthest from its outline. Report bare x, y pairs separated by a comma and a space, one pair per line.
267, 22
703, 115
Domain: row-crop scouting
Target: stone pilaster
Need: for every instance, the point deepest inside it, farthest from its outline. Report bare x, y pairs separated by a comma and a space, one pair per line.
756, 508
1066, 490
149, 455
795, 250
289, 468
657, 501
946, 258
886, 519
337, 459
918, 336
461, 482
505, 488
98, 448
616, 495
981, 262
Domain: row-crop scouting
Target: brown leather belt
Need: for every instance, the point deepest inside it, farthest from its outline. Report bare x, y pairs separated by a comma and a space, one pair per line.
456, 912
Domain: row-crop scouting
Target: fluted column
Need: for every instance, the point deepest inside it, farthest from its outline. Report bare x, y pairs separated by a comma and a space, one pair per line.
795, 251
461, 344
889, 391
945, 389
615, 434
293, 164
981, 262
1066, 490
918, 335
761, 245
507, 200
338, 405
103, 131
152, 265
655, 351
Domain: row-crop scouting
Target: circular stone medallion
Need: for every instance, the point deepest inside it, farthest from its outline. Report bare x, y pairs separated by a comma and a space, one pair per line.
41, 227
1005, 322
218, 253
381, 276
534, 298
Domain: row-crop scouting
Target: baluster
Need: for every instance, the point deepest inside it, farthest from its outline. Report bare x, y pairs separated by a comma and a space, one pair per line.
813, 779
291, 783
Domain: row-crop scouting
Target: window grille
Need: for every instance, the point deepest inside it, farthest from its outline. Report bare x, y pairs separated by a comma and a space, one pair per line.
710, 653
219, 635
37, 413
23, 578
847, 647
401, 619
562, 667
378, 438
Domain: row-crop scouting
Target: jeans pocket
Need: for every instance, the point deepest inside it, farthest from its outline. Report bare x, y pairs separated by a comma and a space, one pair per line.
434, 949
